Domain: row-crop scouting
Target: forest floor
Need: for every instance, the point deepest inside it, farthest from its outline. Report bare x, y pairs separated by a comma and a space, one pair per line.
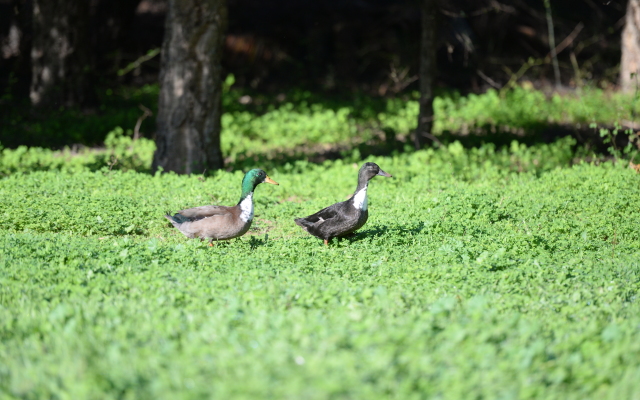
484, 270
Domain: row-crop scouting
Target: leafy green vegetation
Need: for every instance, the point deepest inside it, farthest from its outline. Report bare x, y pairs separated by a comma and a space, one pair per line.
120, 152
531, 110
470, 278
256, 127
304, 124
22, 125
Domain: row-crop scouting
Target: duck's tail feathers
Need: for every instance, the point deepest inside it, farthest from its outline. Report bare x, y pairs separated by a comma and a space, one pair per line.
303, 223
174, 219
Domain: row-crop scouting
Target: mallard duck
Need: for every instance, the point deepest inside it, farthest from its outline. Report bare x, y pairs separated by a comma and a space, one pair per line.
221, 222
344, 218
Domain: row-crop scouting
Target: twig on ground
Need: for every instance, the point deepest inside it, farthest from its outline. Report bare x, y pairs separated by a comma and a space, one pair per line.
150, 54
552, 42
569, 39
488, 80
146, 113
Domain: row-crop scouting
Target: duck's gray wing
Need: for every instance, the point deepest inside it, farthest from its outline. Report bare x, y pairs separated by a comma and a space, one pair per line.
198, 213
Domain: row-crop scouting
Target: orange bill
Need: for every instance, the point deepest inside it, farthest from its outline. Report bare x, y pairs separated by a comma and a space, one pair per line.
271, 181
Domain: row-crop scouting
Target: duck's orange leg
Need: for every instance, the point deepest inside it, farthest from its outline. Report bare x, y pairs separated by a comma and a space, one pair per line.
326, 242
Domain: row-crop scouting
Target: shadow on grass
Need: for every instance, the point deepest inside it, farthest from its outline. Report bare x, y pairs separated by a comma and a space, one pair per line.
56, 128
255, 242
71, 126
586, 138
399, 233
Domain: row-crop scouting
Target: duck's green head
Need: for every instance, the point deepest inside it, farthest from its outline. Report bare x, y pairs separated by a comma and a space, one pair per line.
253, 178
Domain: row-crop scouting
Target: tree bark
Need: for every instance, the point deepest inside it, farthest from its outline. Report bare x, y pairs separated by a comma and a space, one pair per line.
60, 54
15, 45
630, 61
112, 32
428, 11
189, 108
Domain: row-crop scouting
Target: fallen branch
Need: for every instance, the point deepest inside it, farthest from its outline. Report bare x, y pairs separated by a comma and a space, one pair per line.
146, 113
569, 39
532, 62
488, 80
150, 54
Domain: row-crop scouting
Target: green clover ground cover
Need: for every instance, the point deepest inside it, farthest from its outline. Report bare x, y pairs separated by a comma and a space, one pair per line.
470, 280
302, 124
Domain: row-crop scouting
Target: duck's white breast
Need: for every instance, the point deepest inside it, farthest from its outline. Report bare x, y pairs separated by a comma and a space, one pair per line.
360, 199
246, 208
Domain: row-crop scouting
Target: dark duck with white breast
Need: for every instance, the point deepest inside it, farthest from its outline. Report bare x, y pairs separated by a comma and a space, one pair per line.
221, 222
346, 217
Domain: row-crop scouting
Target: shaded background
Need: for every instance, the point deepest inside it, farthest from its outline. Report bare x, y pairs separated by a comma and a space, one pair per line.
334, 47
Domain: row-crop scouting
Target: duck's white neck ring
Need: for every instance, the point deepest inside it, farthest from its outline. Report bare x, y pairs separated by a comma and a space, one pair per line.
246, 208
360, 199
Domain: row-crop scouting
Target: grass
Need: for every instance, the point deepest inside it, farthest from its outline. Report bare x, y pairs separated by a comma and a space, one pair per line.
274, 130
482, 273
21, 125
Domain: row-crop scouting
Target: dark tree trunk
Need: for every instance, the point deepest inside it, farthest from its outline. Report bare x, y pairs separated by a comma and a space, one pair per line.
317, 39
112, 34
188, 136
428, 11
630, 62
15, 46
345, 53
60, 55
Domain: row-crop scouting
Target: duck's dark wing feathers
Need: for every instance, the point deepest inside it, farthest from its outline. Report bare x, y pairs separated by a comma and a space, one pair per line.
329, 222
322, 215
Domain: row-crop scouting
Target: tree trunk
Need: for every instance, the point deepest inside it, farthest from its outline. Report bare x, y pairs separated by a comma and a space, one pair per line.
15, 45
345, 51
630, 62
112, 32
60, 54
189, 108
429, 11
